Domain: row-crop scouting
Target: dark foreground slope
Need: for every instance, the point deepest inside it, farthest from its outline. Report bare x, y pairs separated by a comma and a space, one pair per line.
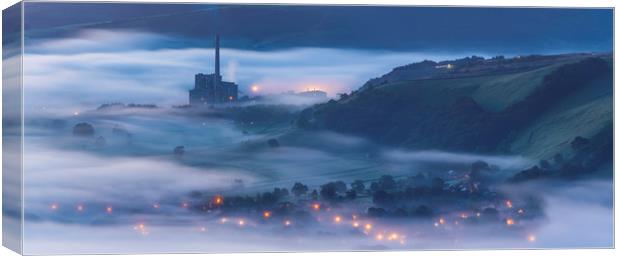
533, 106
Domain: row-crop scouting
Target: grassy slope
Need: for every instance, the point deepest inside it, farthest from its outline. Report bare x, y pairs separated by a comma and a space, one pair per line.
494, 93
583, 113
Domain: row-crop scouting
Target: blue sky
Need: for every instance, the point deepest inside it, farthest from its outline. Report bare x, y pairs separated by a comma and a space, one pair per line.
501, 30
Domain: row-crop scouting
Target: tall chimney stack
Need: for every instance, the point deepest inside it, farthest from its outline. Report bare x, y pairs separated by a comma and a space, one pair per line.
217, 56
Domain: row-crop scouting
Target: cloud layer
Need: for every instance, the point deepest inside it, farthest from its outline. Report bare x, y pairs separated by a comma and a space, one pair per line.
99, 66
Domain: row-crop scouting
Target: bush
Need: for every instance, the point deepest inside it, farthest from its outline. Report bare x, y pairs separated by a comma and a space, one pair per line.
382, 197
580, 143
376, 212
299, 189
386, 182
358, 186
83, 129
330, 191
179, 151
274, 143
351, 194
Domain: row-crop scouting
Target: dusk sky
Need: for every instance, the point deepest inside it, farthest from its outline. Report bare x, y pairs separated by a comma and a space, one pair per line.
150, 52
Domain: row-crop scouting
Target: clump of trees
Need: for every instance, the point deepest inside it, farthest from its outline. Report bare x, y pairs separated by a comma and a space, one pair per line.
179, 151
299, 189
333, 191
419, 195
274, 143
84, 129
586, 157
420, 211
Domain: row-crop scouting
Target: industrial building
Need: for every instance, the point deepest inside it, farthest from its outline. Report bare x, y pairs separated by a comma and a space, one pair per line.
209, 89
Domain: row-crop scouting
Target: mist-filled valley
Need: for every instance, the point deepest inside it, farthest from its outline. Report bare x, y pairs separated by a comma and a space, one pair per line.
143, 177
143, 133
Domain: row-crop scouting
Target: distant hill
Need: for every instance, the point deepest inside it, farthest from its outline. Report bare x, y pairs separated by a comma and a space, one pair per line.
528, 105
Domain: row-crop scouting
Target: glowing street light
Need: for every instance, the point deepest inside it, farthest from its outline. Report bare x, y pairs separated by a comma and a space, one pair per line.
141, 228
337, 219
316, 206
254, 88
393, 236
218, 200
266, 214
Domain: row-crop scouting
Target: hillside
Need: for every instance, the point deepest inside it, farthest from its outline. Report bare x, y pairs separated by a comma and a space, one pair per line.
532, 106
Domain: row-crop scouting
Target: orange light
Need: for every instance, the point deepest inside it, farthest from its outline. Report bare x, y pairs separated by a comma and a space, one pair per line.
141, 228
368, 226
255, 88
337, 219
218, 200
531, 238
355, 224
510, 222
316, 207
442, 221
241, 222
108, 209
379, 237
266, 214
393, 236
